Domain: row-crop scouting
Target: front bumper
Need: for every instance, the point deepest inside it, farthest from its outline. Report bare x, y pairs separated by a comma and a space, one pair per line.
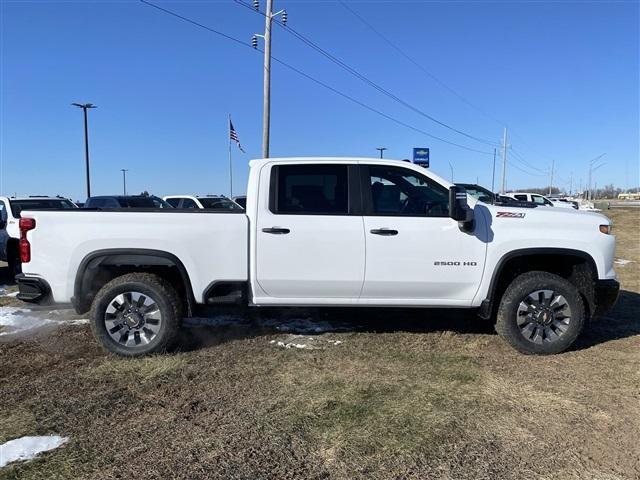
605, 294
32, 289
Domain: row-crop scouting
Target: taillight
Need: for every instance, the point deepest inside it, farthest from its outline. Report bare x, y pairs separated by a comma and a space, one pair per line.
25, 225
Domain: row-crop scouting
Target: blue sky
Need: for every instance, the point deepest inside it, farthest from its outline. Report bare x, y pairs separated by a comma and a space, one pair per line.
563, 76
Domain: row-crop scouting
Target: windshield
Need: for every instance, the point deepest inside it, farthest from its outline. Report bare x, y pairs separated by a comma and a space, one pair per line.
18, 206
218, 203
479, 193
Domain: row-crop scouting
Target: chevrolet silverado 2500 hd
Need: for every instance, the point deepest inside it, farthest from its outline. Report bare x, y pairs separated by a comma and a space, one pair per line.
325, 232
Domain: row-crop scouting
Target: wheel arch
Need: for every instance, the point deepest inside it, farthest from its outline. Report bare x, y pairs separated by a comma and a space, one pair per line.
100, 266
577, 266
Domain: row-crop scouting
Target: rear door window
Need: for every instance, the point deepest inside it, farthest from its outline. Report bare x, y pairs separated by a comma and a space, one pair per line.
311, 190
522, 198
174, 202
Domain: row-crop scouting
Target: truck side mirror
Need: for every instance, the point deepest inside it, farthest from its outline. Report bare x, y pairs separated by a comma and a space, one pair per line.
458, 208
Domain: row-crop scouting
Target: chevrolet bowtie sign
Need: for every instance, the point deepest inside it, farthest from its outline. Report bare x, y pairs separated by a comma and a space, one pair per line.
421, 157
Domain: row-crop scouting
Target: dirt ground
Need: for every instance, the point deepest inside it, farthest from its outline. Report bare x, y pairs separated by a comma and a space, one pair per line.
335, 395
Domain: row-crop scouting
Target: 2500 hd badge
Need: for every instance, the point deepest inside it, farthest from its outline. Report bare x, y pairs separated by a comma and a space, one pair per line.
455, 264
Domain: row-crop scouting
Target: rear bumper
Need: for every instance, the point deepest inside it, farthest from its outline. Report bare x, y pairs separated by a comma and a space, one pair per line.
32, 289
605, 293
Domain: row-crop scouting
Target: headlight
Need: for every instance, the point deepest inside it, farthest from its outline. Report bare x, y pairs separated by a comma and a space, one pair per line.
606, 229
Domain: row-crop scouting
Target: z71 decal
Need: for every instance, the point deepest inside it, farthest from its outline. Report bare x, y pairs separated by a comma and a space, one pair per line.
511, 214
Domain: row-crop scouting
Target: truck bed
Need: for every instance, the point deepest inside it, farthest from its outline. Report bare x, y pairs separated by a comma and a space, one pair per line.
210, 244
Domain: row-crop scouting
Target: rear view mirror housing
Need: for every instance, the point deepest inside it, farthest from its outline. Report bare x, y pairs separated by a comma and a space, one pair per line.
458, 208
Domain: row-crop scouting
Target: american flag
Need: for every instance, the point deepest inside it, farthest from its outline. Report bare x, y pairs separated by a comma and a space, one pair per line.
233, 135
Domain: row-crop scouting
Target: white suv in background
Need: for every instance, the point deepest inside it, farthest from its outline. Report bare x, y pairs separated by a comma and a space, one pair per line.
539, 200
10, 210
213, 202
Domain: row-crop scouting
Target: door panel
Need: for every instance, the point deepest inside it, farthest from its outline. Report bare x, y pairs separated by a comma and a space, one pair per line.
309, 244
414, 250
429, 258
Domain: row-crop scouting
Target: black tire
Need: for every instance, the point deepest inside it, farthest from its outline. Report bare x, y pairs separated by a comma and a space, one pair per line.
153, 288
540, 328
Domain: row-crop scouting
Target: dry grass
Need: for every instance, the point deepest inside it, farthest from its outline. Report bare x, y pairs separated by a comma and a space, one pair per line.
426, 395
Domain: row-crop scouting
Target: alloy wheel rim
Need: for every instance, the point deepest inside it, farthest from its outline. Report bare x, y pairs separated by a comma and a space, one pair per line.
543, 316
133, 319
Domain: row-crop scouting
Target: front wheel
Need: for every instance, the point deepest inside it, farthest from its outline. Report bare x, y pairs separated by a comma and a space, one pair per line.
540, 313
136, 314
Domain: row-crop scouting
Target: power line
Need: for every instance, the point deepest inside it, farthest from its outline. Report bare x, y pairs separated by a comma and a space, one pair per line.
435, 78
417, 64
524, 171
522, 160
318, 82
365, 79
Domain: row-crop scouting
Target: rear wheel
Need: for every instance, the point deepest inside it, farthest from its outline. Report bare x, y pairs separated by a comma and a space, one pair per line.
136, 314
540, 313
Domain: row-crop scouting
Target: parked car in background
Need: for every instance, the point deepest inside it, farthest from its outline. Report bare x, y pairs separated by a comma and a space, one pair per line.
563, 201
129, 201
487, 196
539, 200
209, 202
10, 210
241, 200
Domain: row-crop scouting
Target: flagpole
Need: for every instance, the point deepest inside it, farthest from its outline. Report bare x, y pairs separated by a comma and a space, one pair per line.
230, 166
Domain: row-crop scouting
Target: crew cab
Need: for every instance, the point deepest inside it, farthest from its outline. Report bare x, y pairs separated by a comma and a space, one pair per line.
10, 210
325, 232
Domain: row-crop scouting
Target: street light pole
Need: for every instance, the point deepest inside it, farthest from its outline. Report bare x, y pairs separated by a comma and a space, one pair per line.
124, 180
85, 107
381, 150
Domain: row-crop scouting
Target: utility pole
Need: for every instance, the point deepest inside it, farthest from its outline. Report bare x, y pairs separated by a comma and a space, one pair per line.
571, 184
381, 150
504, 160
551, 180
266, 92
266, 106
591, 170
124, 180
451, 167
85, 107
493, 173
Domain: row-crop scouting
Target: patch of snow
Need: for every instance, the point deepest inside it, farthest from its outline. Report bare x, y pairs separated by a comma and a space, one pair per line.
19, 320
292, 345
78, 321
301, 342
26, 448
622, 261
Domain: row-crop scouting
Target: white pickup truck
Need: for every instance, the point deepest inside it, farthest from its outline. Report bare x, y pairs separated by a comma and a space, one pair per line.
325, 232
